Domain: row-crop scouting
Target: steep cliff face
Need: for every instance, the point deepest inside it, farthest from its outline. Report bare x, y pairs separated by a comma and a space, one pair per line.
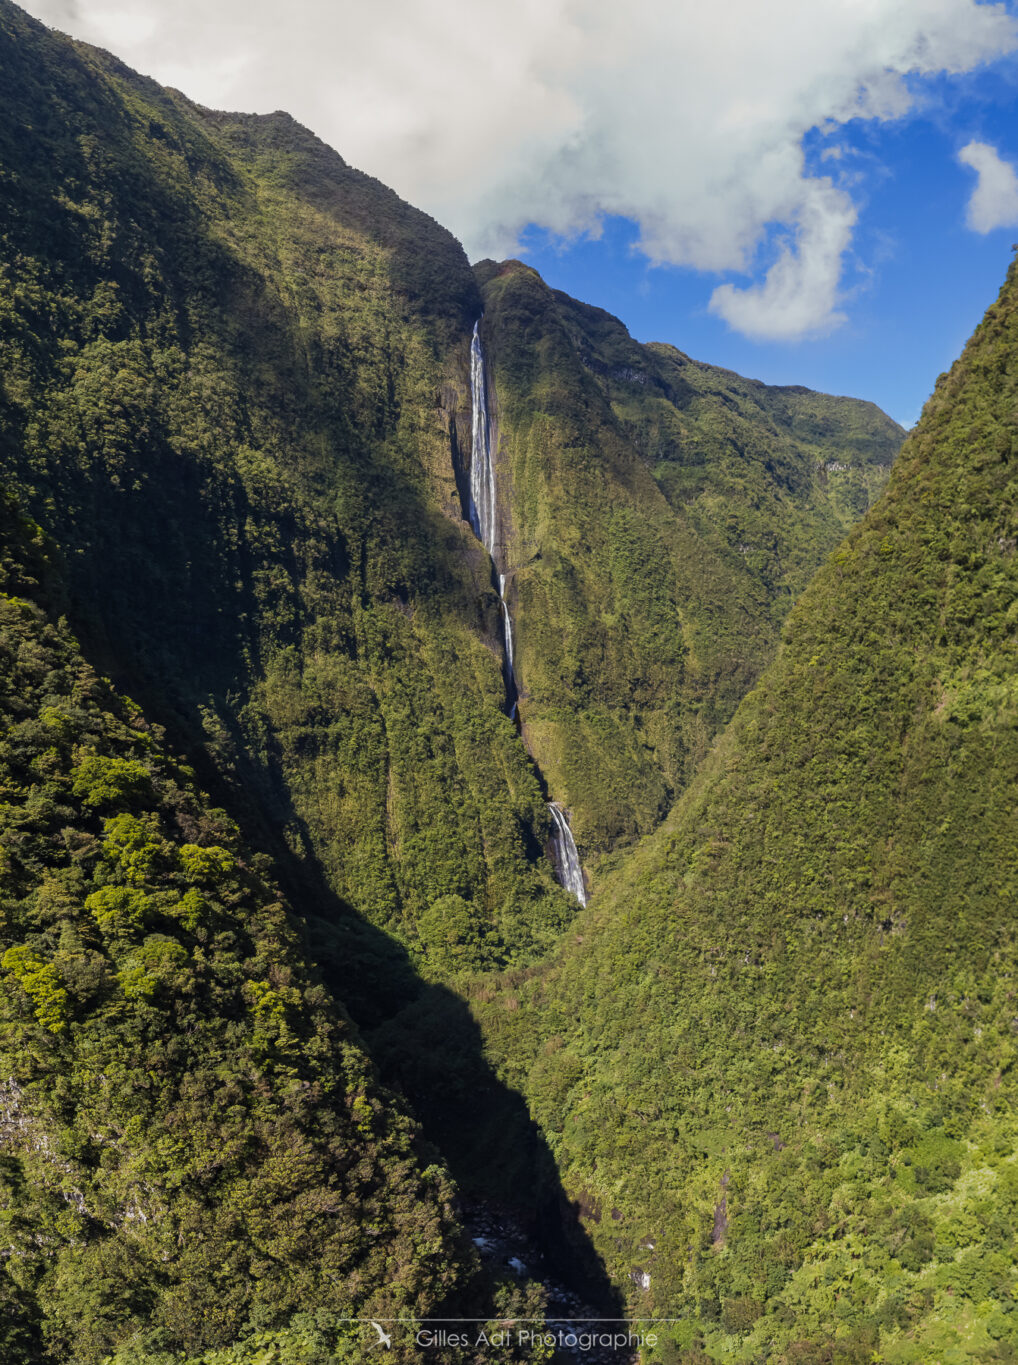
660, 518
235, 370
798, 1097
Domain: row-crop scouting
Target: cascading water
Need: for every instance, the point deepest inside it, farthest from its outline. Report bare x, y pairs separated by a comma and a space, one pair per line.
482, 514
511, 693
483, 505
567, 860
482, 470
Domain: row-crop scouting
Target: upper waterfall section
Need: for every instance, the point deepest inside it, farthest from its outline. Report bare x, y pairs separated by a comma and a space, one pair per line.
483, 504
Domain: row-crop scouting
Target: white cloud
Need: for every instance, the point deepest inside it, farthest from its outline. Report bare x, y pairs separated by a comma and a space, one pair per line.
994, 201
687, 117
799, 294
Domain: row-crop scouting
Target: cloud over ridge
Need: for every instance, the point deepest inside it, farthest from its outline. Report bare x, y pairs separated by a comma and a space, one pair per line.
687, 118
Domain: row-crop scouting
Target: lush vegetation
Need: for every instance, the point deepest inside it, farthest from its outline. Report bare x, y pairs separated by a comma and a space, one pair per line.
195, 1150
797, 1101
234, 394
661, 516
232, 371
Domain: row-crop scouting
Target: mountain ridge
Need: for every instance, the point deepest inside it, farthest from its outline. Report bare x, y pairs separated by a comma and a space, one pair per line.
660, 527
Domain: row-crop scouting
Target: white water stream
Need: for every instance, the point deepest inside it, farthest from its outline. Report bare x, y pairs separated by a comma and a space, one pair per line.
482, 512
507, 637
482, 471
567, 860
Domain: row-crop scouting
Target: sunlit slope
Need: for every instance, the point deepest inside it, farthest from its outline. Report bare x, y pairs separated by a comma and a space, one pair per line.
235, 391
661, 516
776, 1056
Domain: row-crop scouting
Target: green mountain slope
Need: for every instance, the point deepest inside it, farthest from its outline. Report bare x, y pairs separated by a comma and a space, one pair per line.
235, 391
797, 1099
232, 369
193, 1146
660, 517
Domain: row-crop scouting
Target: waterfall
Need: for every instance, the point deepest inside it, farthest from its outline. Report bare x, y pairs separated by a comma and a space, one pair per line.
483, 503
482, 514
511, 693
507, 624
567, 860
482, 469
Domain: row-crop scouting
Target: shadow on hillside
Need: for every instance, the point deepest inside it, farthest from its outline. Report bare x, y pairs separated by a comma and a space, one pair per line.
422, 1036
429, 1049
177, 641
433, 1053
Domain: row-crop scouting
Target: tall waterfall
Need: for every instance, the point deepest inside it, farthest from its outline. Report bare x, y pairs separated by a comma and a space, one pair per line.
483, 519
483, 503
482, 469
567, 860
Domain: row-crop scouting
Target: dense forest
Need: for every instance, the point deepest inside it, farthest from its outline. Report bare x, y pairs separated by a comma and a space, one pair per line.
290, 986
660, 516
195, 1147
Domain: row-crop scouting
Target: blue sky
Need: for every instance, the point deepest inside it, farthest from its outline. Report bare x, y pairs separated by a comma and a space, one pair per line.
917, 279
775, 188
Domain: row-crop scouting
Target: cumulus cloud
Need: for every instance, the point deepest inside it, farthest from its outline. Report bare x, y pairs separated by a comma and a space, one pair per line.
994, 201
688, 118
799, 294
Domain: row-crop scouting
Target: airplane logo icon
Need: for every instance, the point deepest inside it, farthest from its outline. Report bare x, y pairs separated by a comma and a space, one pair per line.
384, 1338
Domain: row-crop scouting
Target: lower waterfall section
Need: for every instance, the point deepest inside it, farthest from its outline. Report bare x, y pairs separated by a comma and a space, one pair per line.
511, 694
566, 859
482, 513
